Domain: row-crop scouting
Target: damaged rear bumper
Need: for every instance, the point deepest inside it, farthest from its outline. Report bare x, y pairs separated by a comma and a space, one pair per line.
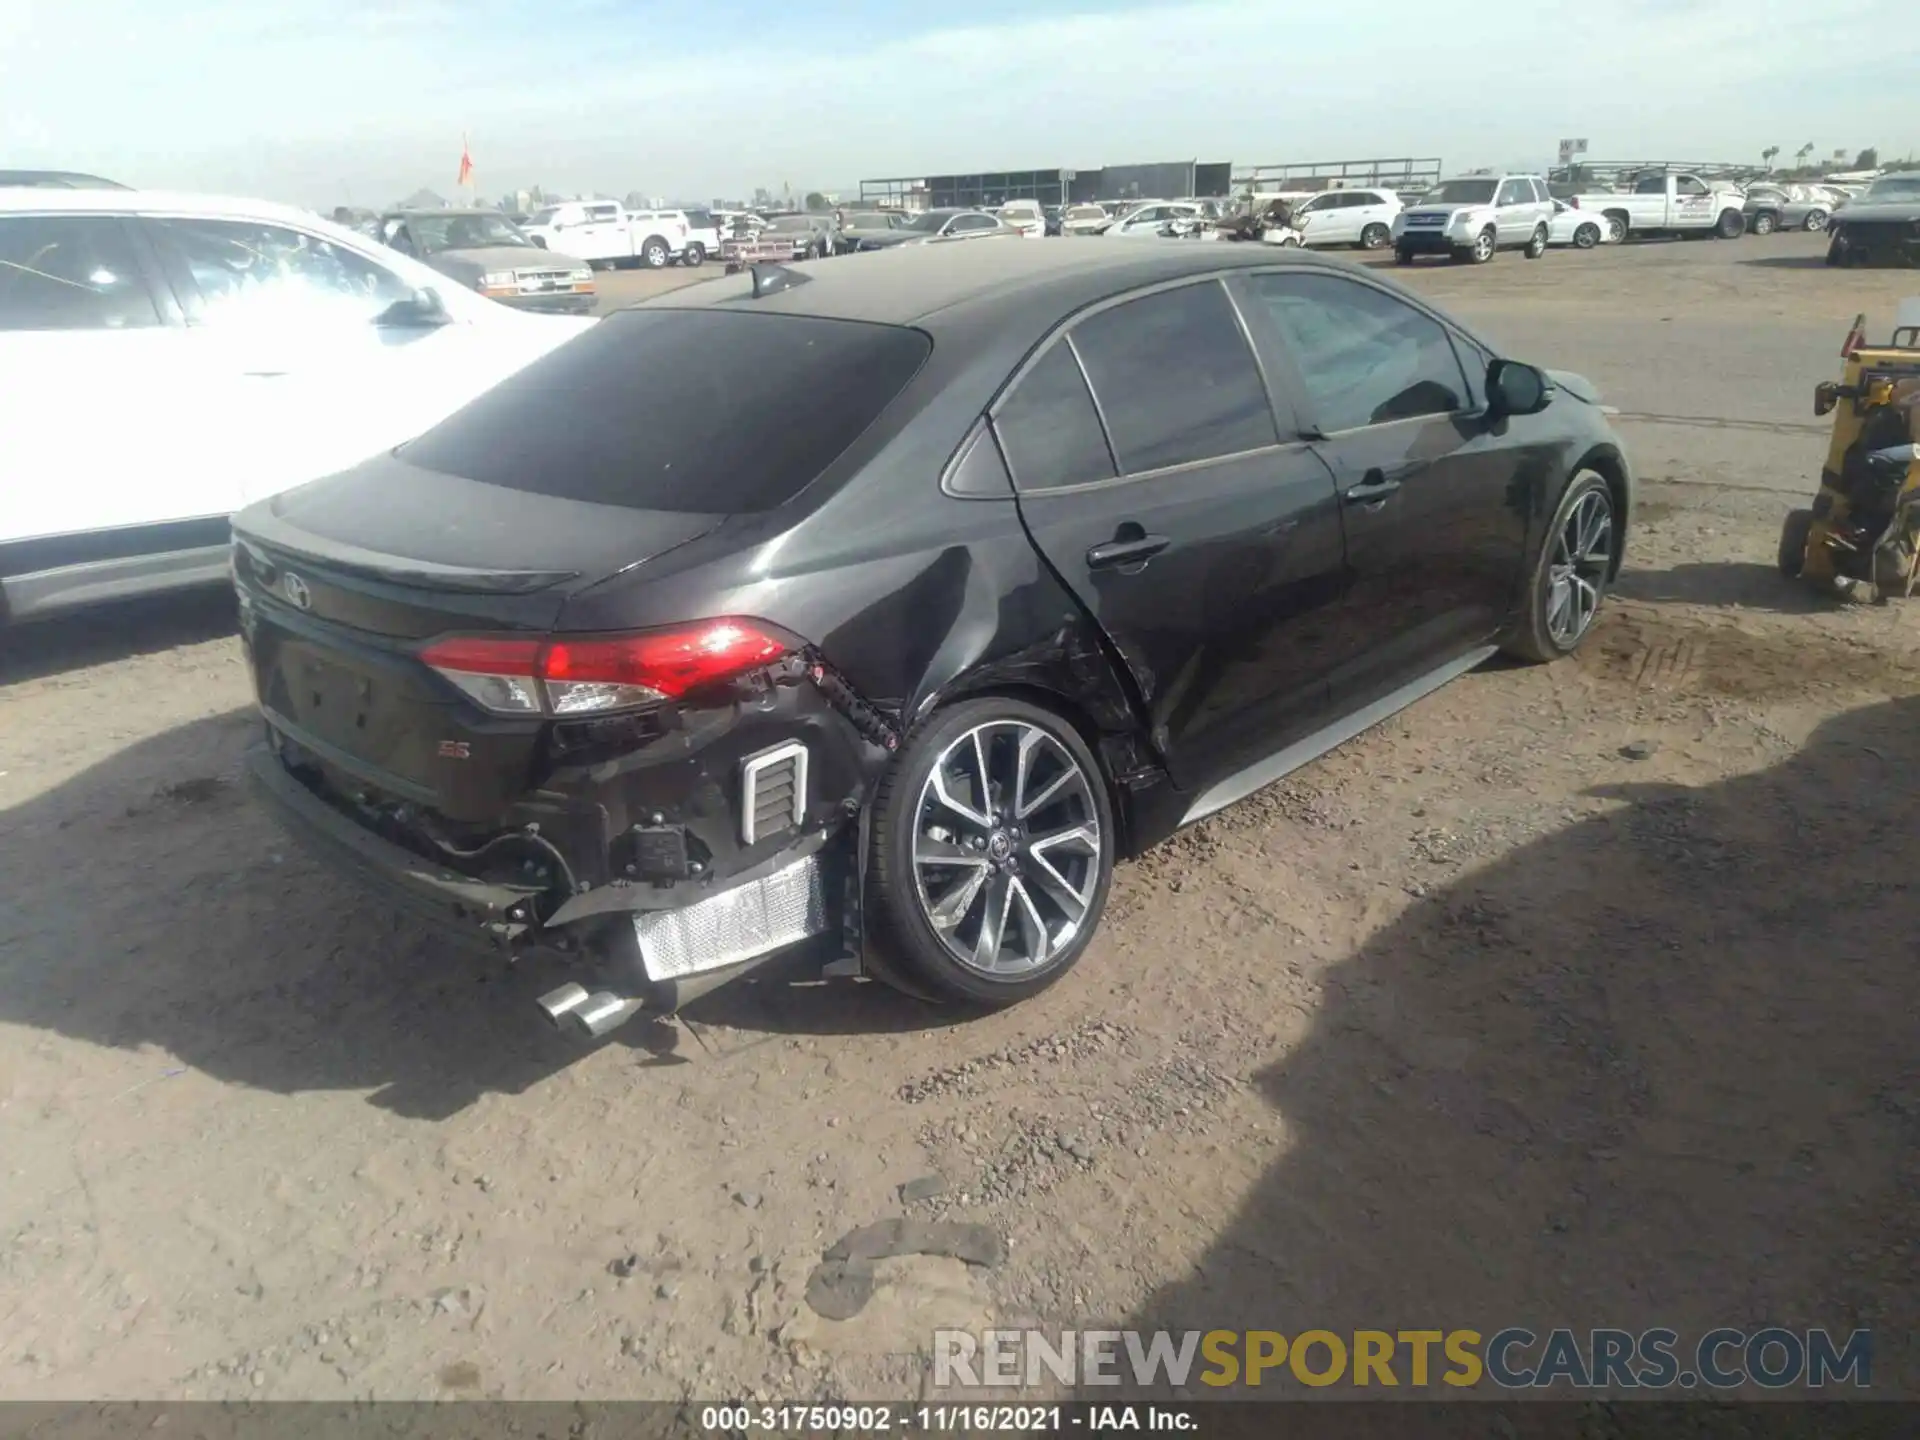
634, 948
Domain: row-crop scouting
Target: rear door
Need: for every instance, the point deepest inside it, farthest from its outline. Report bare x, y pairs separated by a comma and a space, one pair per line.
101, 445
1156, 478
1434, 501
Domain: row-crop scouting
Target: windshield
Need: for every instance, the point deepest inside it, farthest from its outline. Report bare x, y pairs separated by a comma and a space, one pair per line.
791, 224
867, 220
1086, 212
930, 222
1894, 187
544, 217
1461, 192
434, 233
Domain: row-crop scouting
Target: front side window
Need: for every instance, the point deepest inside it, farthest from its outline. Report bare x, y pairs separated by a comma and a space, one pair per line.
1175, 378
1687, 185
250, 272
1049, 429
70, 272
1514, 192
1365, 357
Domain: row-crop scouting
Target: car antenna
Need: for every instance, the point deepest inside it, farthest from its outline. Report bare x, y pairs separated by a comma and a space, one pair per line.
772, 279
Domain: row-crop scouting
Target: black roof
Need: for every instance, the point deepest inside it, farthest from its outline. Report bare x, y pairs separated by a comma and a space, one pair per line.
910, 284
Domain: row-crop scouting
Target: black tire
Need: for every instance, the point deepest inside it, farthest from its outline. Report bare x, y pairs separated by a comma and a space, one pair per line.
1532, 637
1731, 225
1587, 235
1375, 237
1622, 225
655, 254
1537, 243
1794, 532
1836, 251
1485, 246
897, 917
696, 255
1765, 223
1402, 255
1816, 220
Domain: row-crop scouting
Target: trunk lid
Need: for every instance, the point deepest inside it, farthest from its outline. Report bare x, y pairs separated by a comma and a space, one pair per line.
341, 583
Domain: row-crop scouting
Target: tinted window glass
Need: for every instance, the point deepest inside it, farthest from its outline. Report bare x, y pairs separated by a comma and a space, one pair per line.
1175, 378
1049, 428
703, 411
70, 273
1366, 358
248, 272
1514, 192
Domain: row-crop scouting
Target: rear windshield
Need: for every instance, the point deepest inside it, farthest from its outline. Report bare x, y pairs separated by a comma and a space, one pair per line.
703, 411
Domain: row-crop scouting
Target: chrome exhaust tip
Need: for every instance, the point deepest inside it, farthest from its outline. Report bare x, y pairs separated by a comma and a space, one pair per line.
603, 1011
557, 1005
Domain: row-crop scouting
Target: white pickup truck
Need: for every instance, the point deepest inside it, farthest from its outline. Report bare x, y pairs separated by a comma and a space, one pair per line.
603, 232
1664, 202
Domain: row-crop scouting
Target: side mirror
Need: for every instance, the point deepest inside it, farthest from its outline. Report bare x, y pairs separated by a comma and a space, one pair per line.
423, 309
1516, 389
1826, 395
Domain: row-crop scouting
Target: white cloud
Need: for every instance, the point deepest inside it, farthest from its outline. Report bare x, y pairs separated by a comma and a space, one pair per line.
306, 99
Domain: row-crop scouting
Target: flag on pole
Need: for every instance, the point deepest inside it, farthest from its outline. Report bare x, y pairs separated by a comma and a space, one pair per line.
466, 163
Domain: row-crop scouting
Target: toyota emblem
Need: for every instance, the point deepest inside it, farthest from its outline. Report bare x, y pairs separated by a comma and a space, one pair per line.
296, 591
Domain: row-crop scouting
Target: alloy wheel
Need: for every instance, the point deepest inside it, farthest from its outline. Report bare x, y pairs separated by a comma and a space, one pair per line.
1816, 220
1483, 246
1007, 848
1582, 555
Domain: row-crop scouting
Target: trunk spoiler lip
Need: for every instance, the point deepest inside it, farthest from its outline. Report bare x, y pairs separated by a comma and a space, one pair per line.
266, 537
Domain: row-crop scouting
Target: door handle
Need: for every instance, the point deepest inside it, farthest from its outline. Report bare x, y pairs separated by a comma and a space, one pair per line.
1136, 551
1373, 489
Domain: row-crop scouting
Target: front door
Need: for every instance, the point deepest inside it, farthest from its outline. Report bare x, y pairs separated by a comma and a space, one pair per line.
1434, 501
1202, 538
605, 232
300, 377
1514, 212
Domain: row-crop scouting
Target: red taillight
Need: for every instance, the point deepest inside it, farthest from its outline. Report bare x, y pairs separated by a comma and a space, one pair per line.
588, 674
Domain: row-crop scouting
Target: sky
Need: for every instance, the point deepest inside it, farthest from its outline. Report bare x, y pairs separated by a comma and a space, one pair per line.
322, 102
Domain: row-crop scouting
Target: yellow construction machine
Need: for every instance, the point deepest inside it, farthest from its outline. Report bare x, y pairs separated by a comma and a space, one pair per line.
1864, 525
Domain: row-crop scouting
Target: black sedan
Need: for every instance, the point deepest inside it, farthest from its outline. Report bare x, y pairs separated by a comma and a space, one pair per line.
666, 659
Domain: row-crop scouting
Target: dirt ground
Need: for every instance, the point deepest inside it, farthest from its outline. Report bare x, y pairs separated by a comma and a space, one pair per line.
1581, 995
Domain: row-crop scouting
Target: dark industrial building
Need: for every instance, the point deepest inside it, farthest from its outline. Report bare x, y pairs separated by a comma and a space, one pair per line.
988, 189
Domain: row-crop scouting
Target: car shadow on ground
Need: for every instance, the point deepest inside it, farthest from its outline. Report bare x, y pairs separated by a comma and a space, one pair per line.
156, 904
1656, 1069
114, 632
1740, 584
1789, 262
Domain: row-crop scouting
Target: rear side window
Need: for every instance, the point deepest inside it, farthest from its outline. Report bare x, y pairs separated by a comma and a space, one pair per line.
70, 272
1175, 378
701, 411
1049, 428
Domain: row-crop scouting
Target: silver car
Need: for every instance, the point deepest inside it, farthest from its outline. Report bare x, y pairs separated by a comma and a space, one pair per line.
1786, 207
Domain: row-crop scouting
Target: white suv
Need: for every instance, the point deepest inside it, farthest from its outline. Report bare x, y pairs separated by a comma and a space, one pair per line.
1360, 218
206, 353
1475, 216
